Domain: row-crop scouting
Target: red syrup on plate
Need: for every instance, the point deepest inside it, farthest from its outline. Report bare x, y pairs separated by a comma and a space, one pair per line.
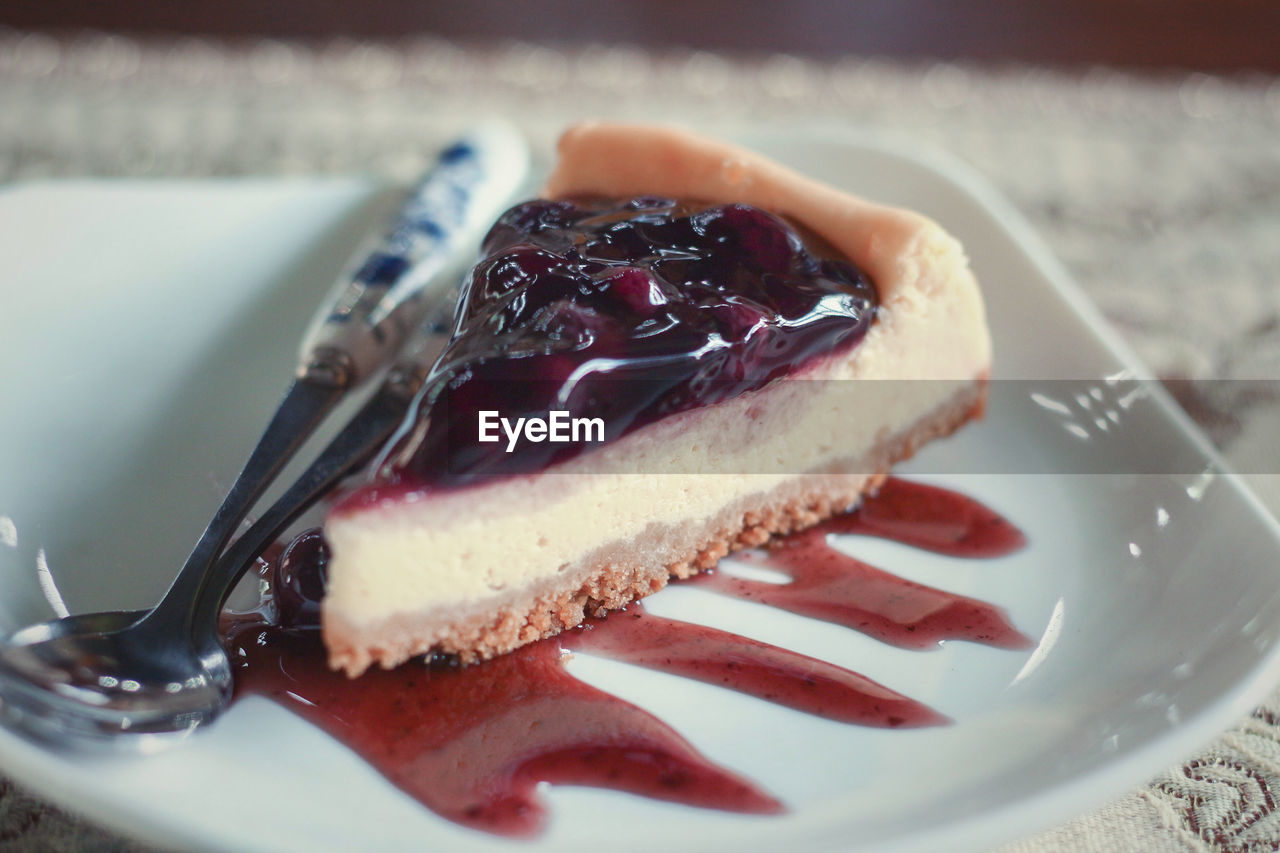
829, 585
748, 666
933, 519
471, 743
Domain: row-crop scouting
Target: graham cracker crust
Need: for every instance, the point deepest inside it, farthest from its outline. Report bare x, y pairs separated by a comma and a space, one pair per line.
622, 572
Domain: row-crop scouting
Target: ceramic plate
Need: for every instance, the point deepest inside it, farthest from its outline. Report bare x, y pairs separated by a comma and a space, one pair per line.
146, 332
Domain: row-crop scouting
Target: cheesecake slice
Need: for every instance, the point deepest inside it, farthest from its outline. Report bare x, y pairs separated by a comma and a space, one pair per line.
729, 350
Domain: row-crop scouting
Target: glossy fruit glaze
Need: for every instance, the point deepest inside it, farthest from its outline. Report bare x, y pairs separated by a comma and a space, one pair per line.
627, 311
471, 743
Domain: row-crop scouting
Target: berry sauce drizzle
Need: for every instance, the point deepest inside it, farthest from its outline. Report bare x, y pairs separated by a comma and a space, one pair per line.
829, 585
625, 310
932, 519
471, 743
748, 666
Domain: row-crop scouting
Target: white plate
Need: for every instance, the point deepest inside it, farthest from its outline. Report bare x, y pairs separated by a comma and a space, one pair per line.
145, 333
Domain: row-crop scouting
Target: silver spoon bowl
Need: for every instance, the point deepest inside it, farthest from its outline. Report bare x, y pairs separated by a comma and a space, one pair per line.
56, 680
162, 673
152, 672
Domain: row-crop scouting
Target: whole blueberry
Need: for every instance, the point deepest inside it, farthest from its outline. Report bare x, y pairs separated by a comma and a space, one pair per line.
300, 579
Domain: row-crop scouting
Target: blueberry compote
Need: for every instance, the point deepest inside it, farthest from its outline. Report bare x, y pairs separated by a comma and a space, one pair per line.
627, 311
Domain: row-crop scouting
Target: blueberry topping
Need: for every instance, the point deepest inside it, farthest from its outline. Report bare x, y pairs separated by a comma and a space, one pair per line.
627, 310
301, 576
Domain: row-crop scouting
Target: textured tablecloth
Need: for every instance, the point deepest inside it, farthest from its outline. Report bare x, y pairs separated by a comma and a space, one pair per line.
1161, 195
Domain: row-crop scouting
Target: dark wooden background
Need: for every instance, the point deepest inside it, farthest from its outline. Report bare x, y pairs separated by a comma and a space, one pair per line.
1207, 35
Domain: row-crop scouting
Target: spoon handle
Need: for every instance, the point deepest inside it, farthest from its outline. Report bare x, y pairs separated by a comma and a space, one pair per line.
305, 405
367, 316
351, 448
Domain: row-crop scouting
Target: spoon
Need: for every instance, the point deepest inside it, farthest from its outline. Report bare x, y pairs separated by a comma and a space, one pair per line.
163, 672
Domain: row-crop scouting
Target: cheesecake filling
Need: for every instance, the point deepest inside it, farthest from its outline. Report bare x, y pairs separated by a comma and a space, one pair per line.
601, 316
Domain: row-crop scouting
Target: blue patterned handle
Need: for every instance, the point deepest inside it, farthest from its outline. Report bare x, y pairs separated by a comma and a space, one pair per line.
372, 310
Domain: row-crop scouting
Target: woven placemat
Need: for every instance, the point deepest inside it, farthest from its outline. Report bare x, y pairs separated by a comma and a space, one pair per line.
1160, 194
